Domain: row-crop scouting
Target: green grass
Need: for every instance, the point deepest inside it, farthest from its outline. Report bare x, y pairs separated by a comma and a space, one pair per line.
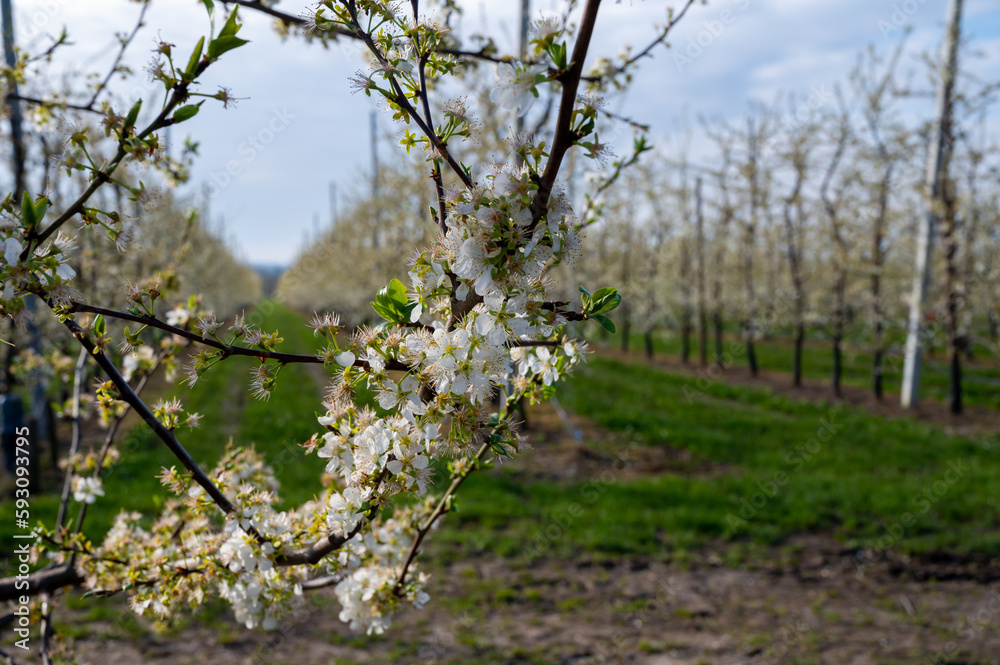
750, 446
855, 479
980, 385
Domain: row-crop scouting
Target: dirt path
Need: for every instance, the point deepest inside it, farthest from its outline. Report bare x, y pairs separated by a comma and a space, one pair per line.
815, 606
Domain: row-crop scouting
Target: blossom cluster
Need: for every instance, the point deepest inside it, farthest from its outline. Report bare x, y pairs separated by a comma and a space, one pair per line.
472, 333
23, 272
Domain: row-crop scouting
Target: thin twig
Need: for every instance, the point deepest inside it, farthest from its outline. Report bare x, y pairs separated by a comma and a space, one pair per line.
401, 100
127, 395
231, 350
564, 136
48, 103
110, 437
290, 19
74, 445
440, 509
672, 20
102, 176
121, 54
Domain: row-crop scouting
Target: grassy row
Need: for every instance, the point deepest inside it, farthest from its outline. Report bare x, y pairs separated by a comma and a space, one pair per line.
776, 467
765, 468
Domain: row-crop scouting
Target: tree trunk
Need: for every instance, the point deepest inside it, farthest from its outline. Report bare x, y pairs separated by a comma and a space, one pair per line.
749, 242
878, 262
717, 322
700, 257
839, 296
936, 174
837, 365
752, 356
955, 382
686, 338
955, 338
717, 326
793, 243
721, 229
877, 369
686, 297
800, 337
649, 344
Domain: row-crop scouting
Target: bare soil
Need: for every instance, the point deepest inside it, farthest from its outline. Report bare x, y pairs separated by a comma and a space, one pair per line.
812, 605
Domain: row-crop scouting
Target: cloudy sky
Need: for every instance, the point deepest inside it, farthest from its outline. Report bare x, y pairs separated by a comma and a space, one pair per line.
269, 161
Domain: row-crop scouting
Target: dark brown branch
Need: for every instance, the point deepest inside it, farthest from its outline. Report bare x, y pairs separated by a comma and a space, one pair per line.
439, 510
291, 19
403, 103
287, 358
43, 581
436, 172
110, 438
127, 395
54, 104
287, 19
564, 137
321, 582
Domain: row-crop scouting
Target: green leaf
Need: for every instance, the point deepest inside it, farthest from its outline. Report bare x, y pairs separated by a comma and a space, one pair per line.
605, 321
585, 299
220, 45
41, 206
28, 211
227, 39
100, 327
390, 303
231, 27
186, 112
397, 290
605, 300
382, 310
195, 58
210, 6
133, 115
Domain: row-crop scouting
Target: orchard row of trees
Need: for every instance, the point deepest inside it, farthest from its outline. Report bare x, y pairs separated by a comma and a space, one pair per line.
800, 221
805, 220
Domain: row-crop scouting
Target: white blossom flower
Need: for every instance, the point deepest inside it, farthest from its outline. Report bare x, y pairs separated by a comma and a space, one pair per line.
65, 272
344, 509
12, 249
86, 489
515, 89
179, 316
